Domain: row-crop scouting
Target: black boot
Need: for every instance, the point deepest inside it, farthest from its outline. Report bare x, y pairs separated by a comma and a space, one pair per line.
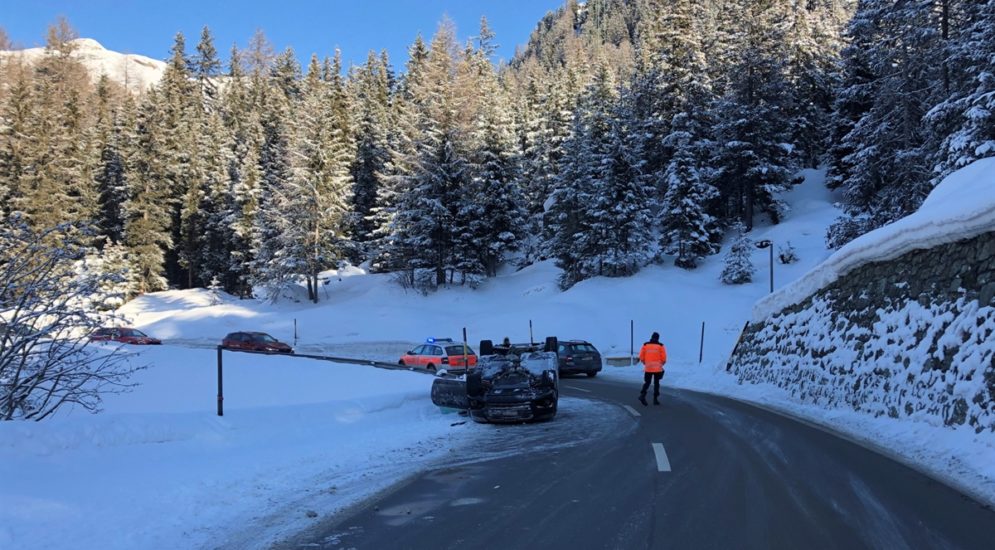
656, 399
642, 399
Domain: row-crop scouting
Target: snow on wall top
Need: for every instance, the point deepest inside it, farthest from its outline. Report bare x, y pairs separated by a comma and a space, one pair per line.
962, 206
136, 73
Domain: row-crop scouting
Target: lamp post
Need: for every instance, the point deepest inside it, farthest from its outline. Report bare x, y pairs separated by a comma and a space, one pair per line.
767, 243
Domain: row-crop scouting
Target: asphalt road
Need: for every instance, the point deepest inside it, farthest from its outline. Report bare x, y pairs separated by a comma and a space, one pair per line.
696, 472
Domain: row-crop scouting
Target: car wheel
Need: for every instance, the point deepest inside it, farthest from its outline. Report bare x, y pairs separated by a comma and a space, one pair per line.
401, 362
430, 367
592, 374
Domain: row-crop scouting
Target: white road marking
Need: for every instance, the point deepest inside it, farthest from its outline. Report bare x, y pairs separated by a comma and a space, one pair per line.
632, 411
578, 389
662, 462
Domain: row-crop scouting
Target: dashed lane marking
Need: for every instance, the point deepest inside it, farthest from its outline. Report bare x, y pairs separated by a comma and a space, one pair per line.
632, 411
662, 462
578, 389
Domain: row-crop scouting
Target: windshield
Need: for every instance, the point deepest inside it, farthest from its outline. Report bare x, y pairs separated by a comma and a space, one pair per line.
132, 333
263, 338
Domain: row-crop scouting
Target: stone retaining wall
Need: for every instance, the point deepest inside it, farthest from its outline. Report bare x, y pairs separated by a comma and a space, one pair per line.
910, 337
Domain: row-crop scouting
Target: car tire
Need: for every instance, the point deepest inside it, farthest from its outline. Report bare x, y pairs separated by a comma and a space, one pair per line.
401, 362
592, 374
430, 367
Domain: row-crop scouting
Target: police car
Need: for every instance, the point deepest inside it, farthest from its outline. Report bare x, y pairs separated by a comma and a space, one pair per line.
439, 353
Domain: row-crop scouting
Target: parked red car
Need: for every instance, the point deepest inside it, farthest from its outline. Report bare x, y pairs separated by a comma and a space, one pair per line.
255, 341
125, 335
439, 353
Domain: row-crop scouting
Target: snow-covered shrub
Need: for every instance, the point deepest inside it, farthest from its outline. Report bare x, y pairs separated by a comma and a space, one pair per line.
786, 254
739, 267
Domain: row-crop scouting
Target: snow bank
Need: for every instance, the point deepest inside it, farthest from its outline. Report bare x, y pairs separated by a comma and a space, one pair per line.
960, 207
159, 469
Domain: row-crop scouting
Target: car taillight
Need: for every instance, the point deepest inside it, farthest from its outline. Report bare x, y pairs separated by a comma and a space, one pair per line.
445, 360
568, 358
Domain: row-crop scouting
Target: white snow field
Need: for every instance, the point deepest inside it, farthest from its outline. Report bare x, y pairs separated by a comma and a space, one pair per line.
159, 469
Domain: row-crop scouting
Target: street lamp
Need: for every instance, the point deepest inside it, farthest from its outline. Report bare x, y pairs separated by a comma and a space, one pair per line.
767, 243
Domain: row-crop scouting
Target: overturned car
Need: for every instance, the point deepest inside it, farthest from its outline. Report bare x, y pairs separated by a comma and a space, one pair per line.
509, 387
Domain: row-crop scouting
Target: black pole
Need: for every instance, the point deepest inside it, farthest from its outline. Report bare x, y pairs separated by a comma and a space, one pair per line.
295, 333
466, 361
632, 342
221, 395
772, 266
531, 341
701, 347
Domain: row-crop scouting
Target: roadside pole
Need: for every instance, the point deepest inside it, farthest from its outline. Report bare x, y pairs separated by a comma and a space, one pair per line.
466, 370
295, 332
701, 346
531, 340
632, 342
466, 361
221, 395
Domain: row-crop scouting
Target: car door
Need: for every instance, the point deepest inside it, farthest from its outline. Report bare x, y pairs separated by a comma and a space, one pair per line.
434, 356
239, 341
416, 357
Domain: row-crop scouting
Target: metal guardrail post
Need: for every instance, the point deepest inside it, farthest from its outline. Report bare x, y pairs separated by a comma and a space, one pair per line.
221, 395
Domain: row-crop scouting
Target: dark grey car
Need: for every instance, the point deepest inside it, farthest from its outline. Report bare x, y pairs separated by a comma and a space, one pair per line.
578, 357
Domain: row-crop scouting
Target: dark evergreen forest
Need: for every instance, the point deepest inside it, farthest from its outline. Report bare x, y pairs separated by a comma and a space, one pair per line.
624, 133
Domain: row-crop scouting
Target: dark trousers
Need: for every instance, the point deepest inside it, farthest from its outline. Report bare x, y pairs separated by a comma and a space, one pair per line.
655, 377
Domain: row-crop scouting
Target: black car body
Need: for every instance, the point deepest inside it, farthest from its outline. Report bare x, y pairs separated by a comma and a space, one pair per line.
503, 388
578, 357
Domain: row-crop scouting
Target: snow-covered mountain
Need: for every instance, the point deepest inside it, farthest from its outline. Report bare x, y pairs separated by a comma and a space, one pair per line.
136, 73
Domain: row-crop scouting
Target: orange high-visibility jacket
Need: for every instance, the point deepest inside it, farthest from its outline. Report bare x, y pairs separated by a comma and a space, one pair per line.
653, 357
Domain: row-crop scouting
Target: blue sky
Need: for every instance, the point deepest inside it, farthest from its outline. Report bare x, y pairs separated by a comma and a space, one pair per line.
355, 26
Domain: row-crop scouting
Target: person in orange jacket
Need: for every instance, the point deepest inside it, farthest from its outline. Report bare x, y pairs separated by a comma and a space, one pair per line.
653, 356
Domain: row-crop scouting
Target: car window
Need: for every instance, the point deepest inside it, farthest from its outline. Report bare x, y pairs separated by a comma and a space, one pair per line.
418, 350
458, 350
132, 333
561, 349
583, 348
434, 350
263, 338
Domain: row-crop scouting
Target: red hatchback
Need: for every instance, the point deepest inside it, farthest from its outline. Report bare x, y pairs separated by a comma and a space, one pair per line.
255, 341
441, 353
124, 335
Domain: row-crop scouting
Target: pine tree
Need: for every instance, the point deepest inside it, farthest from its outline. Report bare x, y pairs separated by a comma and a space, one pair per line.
577, 216
308, 210
739, 267
885, 161
206, 68
114, 130
148, 210
15, 124
973, 108
688, 231
752, 163
371, 91
495, 214
434, 165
